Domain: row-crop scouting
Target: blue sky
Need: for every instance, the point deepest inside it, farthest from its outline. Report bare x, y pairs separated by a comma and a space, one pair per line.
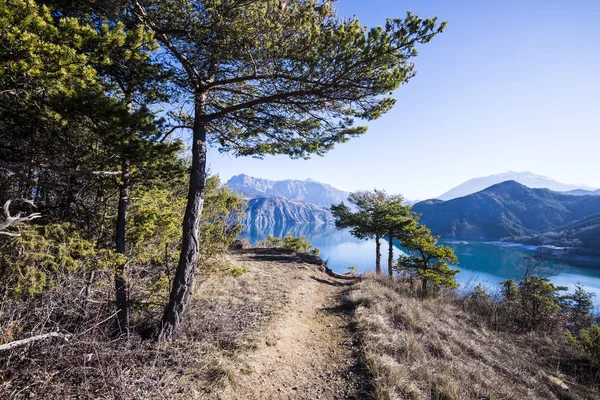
509, 85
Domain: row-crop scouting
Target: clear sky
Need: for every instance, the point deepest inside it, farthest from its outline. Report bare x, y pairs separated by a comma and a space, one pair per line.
509, 85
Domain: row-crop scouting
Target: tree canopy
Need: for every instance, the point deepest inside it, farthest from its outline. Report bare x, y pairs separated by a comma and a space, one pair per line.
262, 77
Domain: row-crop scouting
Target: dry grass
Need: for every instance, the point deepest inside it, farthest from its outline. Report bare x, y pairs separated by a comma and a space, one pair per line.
433, 349
225, 318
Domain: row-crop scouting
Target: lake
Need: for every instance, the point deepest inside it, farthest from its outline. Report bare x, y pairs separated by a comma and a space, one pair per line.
478, 261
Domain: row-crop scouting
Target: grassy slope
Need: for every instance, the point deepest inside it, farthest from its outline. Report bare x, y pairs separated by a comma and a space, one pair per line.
432, 349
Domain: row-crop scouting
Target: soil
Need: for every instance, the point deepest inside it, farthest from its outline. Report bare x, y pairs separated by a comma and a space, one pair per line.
307, 351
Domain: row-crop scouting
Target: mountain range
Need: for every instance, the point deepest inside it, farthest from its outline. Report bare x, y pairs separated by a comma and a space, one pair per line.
526, 178
508, 210
505, 210
262, 212
581, 192
309, 191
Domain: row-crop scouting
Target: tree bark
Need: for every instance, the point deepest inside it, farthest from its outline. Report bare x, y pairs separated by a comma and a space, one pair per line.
120, 239
184, 275
390, 253
378, 254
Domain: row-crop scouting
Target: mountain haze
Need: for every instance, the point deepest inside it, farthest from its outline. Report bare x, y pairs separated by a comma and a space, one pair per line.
505, 210
526, 178
320, 194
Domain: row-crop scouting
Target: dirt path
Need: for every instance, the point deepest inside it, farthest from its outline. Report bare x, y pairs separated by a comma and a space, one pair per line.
307, 351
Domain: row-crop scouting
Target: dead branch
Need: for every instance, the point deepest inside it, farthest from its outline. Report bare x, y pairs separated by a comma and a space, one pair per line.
13, 220
23, 342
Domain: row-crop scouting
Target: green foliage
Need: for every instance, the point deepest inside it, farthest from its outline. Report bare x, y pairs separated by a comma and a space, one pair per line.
43, 257
377, 215
427, 260
154, 226
479, 294
580, 305
154, 232
587, 340
370, 218
284, 78
533, 304
221, 218
271, 242
296, 243
539, 301
509, 290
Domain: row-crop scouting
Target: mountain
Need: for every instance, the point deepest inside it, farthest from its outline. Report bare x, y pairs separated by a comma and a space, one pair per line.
584, 233
505, 210
528, 179
271, 211
581, 192
309, 191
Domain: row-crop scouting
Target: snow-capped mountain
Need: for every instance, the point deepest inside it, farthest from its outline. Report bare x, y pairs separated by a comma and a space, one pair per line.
320, 194
526, 178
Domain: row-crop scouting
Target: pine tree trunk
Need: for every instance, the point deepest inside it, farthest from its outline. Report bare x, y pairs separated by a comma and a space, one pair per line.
378, 254
184, 275
390, 253
120, 239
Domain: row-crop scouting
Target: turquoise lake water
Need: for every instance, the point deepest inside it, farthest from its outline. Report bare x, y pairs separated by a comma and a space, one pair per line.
478, 261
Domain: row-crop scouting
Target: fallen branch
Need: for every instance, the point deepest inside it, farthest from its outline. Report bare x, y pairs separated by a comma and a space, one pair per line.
22, 342
10, 220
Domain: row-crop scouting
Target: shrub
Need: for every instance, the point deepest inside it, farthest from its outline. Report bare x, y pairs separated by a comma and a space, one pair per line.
587, 340
539, 301
579, 305
43, 257
296, 243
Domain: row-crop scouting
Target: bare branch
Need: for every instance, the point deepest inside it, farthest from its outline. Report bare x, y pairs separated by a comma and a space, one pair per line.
13, 220
22, 342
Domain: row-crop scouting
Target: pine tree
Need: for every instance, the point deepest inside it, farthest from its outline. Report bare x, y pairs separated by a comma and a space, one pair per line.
265, 77
429, 261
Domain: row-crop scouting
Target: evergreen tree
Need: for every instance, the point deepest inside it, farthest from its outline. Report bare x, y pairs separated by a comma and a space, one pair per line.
428, 260
399, 221
270, 77
83, 82
367, 222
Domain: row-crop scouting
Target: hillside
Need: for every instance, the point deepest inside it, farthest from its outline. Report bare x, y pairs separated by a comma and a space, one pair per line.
584, 233
582, 192
444, 348
309, 191
528, 179
505, 210
270, 211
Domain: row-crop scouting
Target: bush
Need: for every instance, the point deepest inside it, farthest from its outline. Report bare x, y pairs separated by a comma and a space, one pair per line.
42, 258
296, 243
587, 340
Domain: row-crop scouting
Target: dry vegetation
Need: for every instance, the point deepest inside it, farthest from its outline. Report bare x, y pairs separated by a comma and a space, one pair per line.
437, 349
225, 319
216, 354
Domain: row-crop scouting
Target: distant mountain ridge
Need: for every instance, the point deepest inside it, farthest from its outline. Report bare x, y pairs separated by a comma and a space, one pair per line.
271, 211
582, 192
505, 210
320, 194
526, 178
584, 233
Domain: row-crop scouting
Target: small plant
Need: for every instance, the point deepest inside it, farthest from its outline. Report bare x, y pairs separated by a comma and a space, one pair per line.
587, 340
296, 243
353, 269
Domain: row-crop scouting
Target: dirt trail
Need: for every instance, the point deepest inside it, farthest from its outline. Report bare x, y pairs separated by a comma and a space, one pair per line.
307, 351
